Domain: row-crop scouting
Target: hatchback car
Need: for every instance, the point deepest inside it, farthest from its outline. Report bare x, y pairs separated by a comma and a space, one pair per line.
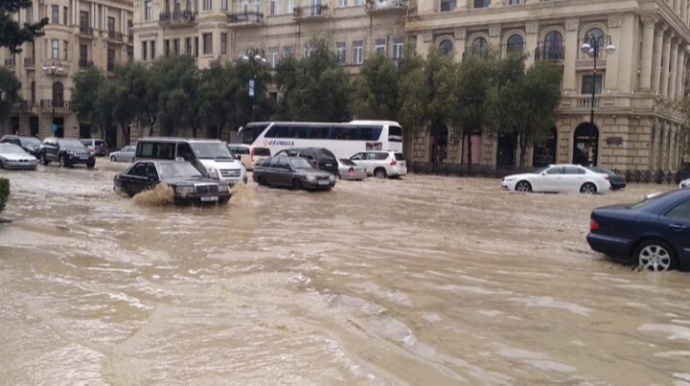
126, 154
319, 157
97, 146
558, 179
293, 172
14, 157
189, 185
381, 164
30, 144
67, 152
654, 233
351, 171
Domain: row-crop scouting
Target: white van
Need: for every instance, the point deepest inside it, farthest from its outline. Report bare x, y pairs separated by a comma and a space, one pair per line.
210, 156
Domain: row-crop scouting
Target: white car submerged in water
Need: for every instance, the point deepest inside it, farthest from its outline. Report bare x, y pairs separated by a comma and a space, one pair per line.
557, 179
684, 184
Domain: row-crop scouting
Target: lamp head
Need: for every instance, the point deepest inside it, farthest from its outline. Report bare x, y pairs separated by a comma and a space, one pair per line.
585, 48
610, 49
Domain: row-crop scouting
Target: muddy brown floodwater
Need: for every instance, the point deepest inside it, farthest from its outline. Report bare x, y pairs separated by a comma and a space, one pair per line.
424, 280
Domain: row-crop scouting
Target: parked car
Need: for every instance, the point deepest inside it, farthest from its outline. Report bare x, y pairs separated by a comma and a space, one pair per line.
617, 180
557, 179
654, 233
97, 146
189, 185
249, 155
211, 156
67, 152
30, 144
381, 164
126, 154
349, 170
14, 157
319, 157
294, 172
684, 184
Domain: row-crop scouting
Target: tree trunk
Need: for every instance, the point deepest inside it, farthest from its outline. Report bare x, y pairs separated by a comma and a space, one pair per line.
469, 152
523, 151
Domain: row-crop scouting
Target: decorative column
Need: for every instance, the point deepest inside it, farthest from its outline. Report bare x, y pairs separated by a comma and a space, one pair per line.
532, 29
658, 51
460, 43
684, 10
495, 36
663, 91
647, 52
571, 50
680, 80
673, 70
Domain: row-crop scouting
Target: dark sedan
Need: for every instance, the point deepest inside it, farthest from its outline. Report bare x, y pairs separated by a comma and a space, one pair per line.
617, 180
32, 145
655, 233
189, 185
293, 172
320, 158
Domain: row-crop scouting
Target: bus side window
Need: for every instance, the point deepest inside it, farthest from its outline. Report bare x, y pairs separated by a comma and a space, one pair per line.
301, 132
338, 132
319, 132
277, 131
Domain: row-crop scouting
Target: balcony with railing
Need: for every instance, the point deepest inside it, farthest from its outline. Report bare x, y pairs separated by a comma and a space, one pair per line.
115, 36
177, 18
84, 64
10, 63
549, 52
387, 6
85, 31
54, 104
311, 12
29, 62
583, 103
245, 19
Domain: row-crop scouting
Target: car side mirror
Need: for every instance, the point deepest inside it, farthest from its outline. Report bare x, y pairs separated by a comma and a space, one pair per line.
238, 157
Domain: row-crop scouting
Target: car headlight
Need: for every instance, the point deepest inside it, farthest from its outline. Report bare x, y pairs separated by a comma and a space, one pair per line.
331, 178
184, 190
508, 179
70, 152
213, 173
311, 178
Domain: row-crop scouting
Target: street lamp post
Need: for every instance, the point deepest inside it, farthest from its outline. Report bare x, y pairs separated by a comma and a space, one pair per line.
592, 47
255, 57
53, 67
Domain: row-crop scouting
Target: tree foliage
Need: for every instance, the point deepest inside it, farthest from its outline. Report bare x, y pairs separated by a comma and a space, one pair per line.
12, 33
376, 92
10, 88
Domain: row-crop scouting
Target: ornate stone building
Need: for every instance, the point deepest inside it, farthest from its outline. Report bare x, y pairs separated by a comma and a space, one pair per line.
80, 34
638, 86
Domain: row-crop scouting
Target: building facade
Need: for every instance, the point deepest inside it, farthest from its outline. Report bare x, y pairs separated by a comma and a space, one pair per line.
637, 87
80, 34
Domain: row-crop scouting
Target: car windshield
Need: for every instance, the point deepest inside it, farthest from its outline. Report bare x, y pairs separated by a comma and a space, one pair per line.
300, 163
347, 162
211, 150
30, 141
262, 151
178, 169
11, 149
71, 144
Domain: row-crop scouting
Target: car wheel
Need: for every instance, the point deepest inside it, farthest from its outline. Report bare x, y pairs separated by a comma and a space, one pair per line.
656, 256
63, 162
296, 184
113, 159
91, 165
588, 188
380, 173
261, 181
523, 186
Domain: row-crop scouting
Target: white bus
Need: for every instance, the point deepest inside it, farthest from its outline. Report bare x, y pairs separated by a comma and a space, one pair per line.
342, 139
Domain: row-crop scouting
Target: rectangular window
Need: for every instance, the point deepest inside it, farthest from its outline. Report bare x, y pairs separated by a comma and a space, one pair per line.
166, 47
340, 49
398, 48
111, 24
342, 3
224, 5
208, 5
188, 46
287, 52
144, 45
589, 83
83, 54
223, 43
196, 47
153, 50
84, 19
176, 47
257, 6
358, 52
482, 3
380, 46
65, 16
208, 43
448, 5
130, 54
111, 59
274, 7
273, 57
359, 2
55, 14
55, 49
289, 6
148, 10
65, 49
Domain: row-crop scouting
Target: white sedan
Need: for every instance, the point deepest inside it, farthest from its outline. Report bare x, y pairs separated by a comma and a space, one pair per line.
684, 184
558, 178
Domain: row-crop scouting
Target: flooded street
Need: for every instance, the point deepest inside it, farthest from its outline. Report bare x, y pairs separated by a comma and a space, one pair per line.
425, 280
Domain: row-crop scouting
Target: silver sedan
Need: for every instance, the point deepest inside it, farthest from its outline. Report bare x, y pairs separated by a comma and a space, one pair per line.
14, 157
351, 171
126, 154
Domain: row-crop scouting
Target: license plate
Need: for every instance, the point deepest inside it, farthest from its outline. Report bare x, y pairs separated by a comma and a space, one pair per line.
209, 199
402, 164
328, 165
323, 182
83, 158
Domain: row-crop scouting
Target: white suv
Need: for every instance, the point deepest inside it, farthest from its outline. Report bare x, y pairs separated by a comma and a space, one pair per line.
381, 164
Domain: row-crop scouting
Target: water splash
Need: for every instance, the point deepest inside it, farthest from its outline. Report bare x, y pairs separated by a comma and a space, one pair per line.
161, 195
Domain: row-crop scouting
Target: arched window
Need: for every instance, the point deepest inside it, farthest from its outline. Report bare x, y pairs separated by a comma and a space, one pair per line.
595, 36
33, 93
516, 43
480, 44
553, 46
58, 94
446, 47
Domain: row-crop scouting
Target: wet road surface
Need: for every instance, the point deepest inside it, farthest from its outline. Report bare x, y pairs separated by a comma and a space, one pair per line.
424, 280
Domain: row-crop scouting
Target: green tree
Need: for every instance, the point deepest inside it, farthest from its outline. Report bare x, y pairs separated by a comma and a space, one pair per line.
129, 89
242, 73
104, 106
286, 81
376, 92
12, 33
172, 75
318, 89
217, 92
84, 96
413, 94
9, 92
147, 111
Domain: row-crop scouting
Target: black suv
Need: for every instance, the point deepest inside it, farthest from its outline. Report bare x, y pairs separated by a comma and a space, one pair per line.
30, 144
66, 151
319, 157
